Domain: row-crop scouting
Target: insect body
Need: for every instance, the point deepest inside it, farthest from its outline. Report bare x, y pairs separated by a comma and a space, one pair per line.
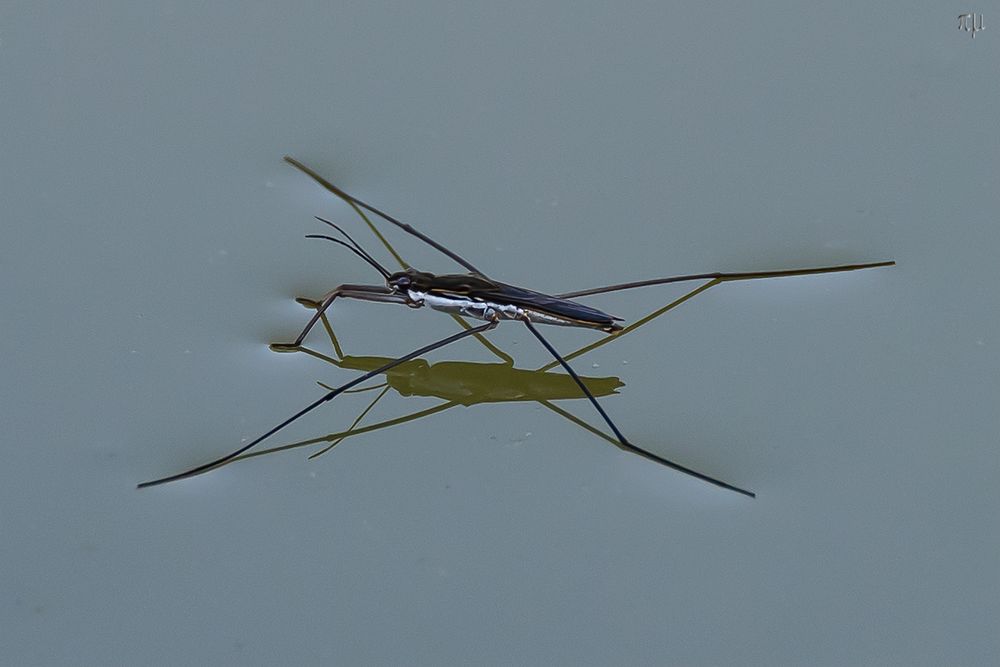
488, 300
475, 295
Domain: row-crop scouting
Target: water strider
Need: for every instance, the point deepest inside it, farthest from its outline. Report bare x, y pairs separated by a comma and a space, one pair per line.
477, 296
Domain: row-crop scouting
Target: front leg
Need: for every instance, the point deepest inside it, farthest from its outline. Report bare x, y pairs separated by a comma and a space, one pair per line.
379, 294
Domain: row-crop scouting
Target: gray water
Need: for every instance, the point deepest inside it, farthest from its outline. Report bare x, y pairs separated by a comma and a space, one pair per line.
153, 247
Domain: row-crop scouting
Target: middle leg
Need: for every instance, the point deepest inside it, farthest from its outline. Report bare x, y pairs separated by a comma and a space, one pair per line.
623, 443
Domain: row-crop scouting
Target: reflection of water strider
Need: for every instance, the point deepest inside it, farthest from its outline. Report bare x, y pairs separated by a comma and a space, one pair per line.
462, 383
475, 295
468, 384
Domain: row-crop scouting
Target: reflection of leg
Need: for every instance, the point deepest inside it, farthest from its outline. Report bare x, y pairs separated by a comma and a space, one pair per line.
330, 395
579, 422
322, 357
413, 416
333, 337
310, 303
623, 442
355, 424
632, 327
500, 354
321, 307
713, 278
385, 216
357, 391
